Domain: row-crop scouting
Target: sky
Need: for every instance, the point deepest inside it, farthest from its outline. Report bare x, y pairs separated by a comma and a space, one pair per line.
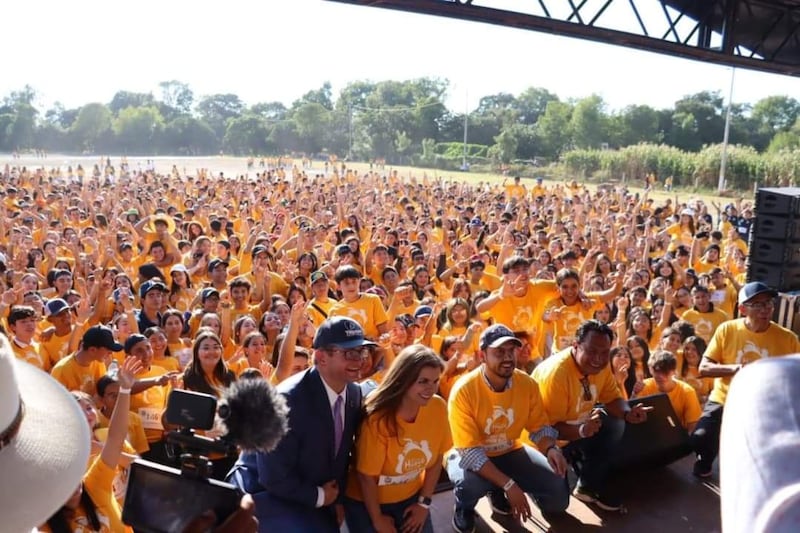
276, 50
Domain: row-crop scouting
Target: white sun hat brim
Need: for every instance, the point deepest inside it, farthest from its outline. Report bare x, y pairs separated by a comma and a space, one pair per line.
43, 464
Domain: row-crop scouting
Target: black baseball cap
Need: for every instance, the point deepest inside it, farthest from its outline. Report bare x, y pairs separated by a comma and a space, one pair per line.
497, 335
100, 337
342, 332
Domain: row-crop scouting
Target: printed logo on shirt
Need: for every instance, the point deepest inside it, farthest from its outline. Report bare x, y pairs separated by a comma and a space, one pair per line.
703, 328
496, 428
522, 318
411, 462
750, 352
359, 315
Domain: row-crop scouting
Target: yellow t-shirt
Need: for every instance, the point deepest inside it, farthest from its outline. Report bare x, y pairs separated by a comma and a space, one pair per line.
31, 354
559, 380
168, 363
724, 299
55, 348
683, 399
488, 282
479, 416
705, 324
136, 437
569, 318
150, 404
525, 313
733, 344
367, 311
316, 317
76, 377
400, 462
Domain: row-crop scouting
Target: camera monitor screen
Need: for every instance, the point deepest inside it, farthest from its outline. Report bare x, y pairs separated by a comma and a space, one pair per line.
160, 500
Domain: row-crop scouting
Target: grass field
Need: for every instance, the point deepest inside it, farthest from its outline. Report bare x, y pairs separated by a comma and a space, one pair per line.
235, 166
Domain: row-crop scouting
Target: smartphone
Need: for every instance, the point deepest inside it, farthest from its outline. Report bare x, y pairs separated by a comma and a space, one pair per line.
160, 499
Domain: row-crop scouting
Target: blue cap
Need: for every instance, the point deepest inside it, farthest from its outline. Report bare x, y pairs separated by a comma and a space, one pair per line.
343, 249
55, 306
476, 222
207, 293
753, 289
151, 285
497, 335
342, 332
423, 310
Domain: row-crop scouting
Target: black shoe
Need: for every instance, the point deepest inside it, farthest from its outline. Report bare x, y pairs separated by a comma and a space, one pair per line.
463, 520
701, 469
603, 501
499, 503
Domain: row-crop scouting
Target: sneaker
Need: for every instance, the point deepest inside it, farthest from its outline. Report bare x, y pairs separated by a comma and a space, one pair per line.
463, 520
701, 469
604, 501
499, 503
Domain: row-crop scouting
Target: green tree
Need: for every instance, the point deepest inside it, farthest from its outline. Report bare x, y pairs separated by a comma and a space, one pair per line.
246, 135
124, 99
554, 129
638, 124
92, 124
189, 135
532, 102
138, 128
311, 122
589, 122
177, 95
505, 147
217, 109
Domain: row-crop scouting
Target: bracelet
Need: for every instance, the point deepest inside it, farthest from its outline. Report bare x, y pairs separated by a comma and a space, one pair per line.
510, 483
580, 431
550, 448
124, 391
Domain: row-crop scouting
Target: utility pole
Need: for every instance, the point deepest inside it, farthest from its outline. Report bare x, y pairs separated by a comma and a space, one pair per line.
724, 159
350, 132
466, 121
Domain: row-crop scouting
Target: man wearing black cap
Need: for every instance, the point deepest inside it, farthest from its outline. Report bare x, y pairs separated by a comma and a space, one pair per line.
703, 315
319, 307
488, 409
218, 272
298, 486
151, 294
737, 343
82, 370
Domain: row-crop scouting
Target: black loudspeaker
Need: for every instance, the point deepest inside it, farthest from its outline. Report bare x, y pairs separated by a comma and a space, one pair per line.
774, 247
778, 201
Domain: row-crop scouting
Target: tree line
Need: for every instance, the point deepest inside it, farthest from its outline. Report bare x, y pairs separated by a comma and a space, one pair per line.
403, 122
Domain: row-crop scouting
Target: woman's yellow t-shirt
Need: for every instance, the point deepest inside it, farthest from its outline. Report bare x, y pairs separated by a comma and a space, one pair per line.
150, 404
400, 462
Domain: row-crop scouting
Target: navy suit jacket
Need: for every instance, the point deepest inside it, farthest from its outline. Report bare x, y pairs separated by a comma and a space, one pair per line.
284, 481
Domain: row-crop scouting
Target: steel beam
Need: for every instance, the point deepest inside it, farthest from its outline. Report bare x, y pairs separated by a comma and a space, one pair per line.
730, 53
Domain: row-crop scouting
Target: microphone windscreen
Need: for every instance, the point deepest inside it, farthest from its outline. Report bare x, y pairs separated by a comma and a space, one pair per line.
255, 415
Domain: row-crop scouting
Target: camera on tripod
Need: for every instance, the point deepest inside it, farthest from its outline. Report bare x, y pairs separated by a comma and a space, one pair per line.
164, 499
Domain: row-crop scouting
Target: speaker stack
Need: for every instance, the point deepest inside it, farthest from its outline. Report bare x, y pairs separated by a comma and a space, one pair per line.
774, 249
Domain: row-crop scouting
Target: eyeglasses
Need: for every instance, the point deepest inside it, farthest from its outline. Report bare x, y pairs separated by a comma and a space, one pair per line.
760, 306
505, 353
587, 391
355, 354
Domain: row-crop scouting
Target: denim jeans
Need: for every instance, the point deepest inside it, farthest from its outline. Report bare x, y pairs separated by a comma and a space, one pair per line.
705, 437
760, 448
526, 466
596, 453
358, 520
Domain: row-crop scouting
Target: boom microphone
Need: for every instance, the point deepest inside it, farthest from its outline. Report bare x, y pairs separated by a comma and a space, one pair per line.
255, 415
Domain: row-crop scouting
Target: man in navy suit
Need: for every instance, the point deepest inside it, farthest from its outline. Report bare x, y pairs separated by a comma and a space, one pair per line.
298, 487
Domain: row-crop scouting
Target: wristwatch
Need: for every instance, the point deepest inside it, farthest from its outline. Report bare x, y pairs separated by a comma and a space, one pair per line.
424, 502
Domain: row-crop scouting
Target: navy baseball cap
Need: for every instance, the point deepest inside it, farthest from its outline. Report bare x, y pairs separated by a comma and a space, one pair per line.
753, 289
133, 340
319, 275
100, 337
207, 293
423, 310
151, 285
342, 332
55, 306
214, 263
497, 335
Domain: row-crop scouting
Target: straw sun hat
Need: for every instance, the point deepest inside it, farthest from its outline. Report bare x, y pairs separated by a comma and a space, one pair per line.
44, 444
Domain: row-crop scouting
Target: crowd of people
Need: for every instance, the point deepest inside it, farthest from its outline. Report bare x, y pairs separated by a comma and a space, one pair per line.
500, 332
